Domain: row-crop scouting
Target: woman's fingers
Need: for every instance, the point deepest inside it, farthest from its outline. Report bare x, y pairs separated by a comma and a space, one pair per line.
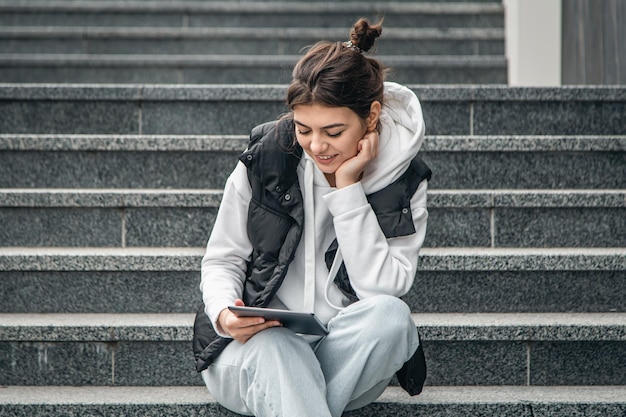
368, 148
243, 334
351, 170
371, 139
243, 328
246, 331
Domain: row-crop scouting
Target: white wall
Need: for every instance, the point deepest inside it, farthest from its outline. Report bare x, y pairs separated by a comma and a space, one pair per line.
533, 42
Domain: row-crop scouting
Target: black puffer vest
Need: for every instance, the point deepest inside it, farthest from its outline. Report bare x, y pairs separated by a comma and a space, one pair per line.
276, 222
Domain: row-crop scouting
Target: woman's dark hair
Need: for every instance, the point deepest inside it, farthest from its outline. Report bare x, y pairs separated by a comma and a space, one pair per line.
338, 74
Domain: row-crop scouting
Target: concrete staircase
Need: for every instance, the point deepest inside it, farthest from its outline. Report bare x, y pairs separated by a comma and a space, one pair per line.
139, 41
108, 194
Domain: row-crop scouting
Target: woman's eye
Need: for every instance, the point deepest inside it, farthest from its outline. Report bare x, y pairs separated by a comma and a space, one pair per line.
334, 135
300, 132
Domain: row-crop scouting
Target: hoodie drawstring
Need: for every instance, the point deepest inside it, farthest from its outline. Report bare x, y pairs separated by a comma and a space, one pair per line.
309, 238
309, 247
331, 276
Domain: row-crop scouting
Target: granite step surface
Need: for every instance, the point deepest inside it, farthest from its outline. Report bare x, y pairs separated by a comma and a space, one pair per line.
280, 1
461, 280
205, 161
591, 401
247, 14
223, 109
235, 41
154, 350
231, 69
181, 218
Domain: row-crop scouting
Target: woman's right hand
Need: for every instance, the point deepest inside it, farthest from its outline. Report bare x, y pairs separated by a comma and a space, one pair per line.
351, 170
243, 328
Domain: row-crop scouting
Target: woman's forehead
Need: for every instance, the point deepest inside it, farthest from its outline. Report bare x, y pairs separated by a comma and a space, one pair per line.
317, 115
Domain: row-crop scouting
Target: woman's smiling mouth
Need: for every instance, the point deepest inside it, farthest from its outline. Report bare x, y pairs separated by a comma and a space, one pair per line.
325, 159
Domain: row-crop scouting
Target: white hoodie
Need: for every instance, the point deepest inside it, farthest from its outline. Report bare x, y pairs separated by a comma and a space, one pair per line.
375, 264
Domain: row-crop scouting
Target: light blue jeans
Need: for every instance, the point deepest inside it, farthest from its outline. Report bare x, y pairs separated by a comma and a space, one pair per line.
277, 373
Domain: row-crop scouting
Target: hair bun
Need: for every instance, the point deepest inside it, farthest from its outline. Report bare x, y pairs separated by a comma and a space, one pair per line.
363, 34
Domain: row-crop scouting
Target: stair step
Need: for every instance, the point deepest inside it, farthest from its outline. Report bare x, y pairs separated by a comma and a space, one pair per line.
464, 280
282, 1
235, 41
205, 161
238, 143
247, 14
326, 1
221, 69
188, 259
434, 401
220, 109
108, 327
524, 349
120, 198
182, 218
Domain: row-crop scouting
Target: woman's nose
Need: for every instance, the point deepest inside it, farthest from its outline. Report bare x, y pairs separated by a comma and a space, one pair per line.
318, 144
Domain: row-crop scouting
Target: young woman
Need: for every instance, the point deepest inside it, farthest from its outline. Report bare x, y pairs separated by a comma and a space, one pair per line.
324, 213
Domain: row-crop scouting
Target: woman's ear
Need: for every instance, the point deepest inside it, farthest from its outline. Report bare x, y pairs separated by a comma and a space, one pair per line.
372, 119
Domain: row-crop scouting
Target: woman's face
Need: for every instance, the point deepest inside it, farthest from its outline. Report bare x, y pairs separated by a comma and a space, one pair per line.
329, 135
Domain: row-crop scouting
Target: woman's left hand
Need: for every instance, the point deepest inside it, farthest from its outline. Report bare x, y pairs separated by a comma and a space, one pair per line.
351, 170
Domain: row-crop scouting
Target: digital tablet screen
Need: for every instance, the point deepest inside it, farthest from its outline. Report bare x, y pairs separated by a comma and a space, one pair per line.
305, 323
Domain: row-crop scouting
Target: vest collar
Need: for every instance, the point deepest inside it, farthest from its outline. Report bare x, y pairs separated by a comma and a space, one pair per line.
272, 158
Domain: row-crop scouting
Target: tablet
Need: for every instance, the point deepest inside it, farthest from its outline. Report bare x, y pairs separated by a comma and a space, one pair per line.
305, 323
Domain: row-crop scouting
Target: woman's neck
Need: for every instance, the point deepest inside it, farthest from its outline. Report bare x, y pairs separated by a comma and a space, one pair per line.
331, 179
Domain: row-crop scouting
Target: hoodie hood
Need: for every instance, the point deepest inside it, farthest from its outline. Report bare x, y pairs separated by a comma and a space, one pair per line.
401, 137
